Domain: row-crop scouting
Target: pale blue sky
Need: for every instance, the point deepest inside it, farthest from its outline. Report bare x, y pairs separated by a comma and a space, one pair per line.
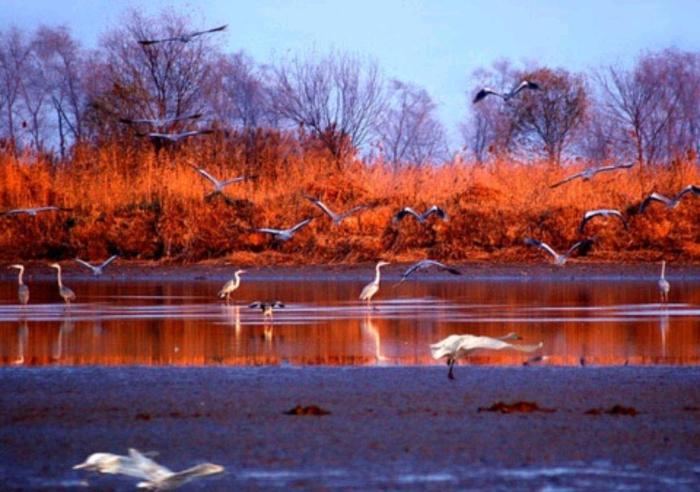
435, 44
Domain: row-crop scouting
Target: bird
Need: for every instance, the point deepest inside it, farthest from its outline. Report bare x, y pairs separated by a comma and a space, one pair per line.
423, 264
266, 307
183, 38
22, 290
602, 212
97, 269
113, 464
219, 185
371, 288
67, 294
458, 346
420, 217
159, 122
231, 285
671, 203
560, 260
664, 286
285, 234
525, 84
33, 211
173, 137
336, 218
158, 477
588, 173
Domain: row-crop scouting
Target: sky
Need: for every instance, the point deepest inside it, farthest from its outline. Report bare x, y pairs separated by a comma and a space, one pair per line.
434, 44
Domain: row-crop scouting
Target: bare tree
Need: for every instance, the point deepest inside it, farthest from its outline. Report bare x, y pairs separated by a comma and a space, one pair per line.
546, 120
15, 52
409, 131
338, 97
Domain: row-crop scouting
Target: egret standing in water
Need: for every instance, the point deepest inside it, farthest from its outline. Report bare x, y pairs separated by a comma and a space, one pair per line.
22, 290
67, 294
458, 346
664, 286
372, 287
231, 285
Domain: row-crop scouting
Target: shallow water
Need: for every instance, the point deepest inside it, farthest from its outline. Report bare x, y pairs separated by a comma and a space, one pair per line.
182, 323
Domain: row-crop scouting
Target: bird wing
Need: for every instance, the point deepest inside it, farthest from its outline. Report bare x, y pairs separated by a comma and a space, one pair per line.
658, 197
109, 260
207, 175
215, 29
85, 264
613, 167
301, 224
485, 92
580, 244
277, 304
322, 206
413, 268
448, 346
255, 305
695, 190
192, 116
269, 231
232, 180
539, 244
525, 84
474, 343
404, 212
152, 470
137, 121
566, 180
368, 291
435, 210
353, 210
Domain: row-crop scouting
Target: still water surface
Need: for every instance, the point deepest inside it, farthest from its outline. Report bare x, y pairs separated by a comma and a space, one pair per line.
182, 323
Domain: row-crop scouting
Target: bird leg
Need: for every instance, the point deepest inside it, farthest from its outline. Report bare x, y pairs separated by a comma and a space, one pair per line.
451, 364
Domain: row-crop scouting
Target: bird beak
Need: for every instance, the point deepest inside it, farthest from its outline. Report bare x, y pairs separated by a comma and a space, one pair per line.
81, 465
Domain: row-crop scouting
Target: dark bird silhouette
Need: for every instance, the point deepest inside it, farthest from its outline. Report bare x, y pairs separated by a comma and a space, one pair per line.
486, 91
173, 137
183, 38
604, 213
420, 217
266, 307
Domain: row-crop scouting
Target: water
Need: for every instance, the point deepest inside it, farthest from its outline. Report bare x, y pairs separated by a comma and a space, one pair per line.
182, 323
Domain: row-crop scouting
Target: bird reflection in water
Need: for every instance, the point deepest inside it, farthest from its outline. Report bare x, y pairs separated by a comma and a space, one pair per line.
22, 337
66, 328
370, 328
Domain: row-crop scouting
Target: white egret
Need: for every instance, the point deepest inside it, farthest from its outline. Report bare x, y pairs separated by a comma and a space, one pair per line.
371, 288
231, 285
336, 218
664, 286
22, 290
458, 346
285, 234
67, 294
558, 259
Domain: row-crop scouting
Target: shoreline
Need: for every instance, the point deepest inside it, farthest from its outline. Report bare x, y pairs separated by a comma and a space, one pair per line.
406, 427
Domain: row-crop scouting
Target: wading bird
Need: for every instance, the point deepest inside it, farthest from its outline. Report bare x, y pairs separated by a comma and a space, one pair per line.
97, 270
371, 288
671, 203
486, 91
664, 286
183, 38
423, 264
420, 217
266, 307
558, 259
336, 218
604, 213
67, 294
34, 210
22, 290
173, 137
458, 346
587, 174
219, 185
159, 122
285, 234
231, 285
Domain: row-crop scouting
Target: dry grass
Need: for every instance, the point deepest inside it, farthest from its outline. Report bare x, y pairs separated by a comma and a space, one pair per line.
147, 205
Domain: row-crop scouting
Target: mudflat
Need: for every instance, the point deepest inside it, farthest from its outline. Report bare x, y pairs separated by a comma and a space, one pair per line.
392, 428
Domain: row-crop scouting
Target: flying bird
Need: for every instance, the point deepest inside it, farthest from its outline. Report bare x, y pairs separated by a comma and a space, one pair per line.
231, 285
664, 286
97, 270
558, 259
671, 203
266, 307
22, 290
285, 234
371, 288
66, 293
219, 185
183, 38
159, 122
423, 264
604, 213
486, 91
420, 217
587, 174
33, 211
113, 464
174, 137
459, 346
336, 218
